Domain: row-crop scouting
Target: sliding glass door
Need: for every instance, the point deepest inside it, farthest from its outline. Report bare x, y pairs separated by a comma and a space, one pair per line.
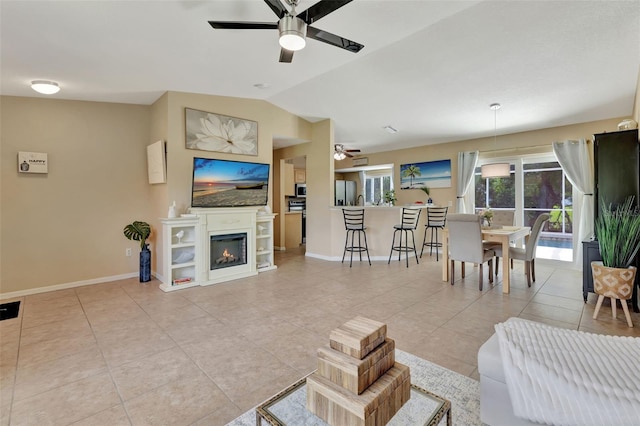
536, 185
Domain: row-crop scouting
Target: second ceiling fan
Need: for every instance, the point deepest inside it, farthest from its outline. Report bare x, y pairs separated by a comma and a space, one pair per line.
340, 153
294, 29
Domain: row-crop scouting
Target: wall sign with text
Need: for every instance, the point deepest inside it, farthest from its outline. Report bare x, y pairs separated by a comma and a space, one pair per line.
33, 162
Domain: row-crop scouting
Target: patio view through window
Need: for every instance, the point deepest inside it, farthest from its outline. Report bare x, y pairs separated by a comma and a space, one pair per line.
375, 187
544, 189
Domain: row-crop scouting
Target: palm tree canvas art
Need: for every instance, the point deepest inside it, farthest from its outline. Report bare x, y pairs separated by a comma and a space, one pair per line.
207, 131
431, 174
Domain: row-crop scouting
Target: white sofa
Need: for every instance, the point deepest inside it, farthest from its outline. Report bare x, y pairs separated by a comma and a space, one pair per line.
558, 376
495, 403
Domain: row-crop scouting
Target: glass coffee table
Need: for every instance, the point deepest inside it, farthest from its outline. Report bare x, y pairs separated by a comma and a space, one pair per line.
289, 407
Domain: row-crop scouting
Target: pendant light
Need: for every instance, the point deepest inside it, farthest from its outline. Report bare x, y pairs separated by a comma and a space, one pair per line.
495, 170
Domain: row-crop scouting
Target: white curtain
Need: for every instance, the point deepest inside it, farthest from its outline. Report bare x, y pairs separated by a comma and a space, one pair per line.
467, 162
576, 159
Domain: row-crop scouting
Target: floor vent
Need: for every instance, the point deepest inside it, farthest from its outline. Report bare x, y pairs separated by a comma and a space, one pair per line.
9, 310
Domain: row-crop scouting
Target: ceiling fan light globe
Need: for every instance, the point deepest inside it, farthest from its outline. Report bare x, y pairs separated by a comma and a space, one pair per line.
292, 42
45, 87
292, 31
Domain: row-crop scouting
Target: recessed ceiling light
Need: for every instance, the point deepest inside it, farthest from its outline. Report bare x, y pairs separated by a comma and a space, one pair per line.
261, 85
390, 129
45, 87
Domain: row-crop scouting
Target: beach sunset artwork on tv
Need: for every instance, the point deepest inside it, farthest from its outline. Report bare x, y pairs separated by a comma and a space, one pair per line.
225, 183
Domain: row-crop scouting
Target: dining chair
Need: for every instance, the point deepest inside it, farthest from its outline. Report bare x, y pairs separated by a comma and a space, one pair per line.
528, 254
410, 218
354, 223
465, 244
436, 220
502, 218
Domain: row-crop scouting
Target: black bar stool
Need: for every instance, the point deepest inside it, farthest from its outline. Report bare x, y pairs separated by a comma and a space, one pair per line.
354, 222
436, 219
409, 223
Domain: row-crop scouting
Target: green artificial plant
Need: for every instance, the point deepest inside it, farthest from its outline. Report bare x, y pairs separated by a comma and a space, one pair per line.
138, 231
390, 196
618, 233
425, 189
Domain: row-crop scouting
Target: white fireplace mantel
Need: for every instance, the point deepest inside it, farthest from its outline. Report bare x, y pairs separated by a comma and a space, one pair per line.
220, 221
205, 223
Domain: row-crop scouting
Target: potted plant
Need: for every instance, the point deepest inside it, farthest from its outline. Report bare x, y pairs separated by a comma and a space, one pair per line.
618, 233
426, 190
140, 231
390, 197
487, 215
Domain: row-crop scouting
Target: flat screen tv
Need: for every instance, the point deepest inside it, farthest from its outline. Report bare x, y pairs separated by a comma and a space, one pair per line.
225, 183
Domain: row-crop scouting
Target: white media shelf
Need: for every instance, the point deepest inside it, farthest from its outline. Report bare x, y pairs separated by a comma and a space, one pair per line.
179, 254
264, 242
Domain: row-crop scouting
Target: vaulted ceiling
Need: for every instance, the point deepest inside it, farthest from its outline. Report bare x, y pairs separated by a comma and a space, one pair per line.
428, 68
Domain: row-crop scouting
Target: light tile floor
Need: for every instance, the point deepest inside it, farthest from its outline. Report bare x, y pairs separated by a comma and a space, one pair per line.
123, 353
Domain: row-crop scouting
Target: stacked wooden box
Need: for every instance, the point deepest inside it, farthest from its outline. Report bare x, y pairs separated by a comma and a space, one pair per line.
358, 381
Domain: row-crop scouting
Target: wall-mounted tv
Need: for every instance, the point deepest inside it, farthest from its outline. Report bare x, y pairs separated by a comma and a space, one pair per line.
225, 183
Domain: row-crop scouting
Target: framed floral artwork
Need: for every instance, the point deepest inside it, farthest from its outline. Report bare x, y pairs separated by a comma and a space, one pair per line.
208, 131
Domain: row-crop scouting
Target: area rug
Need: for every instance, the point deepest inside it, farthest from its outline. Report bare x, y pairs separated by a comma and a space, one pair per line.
462, 391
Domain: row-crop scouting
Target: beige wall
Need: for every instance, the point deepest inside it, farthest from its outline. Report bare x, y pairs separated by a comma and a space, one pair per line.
159, 197
320, 187
507, 145
66, 226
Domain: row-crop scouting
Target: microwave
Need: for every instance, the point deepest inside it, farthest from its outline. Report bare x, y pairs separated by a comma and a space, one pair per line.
301, 189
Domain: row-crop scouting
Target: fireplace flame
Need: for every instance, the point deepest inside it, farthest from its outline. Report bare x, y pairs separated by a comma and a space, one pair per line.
226, 257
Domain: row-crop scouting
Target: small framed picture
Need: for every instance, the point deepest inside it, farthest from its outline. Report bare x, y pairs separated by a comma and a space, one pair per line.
33, 162
156, 163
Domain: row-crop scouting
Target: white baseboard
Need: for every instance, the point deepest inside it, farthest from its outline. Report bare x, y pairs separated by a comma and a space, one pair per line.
64, 286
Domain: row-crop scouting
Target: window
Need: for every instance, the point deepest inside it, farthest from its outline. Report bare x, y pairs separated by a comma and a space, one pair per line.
377, 182
547, 190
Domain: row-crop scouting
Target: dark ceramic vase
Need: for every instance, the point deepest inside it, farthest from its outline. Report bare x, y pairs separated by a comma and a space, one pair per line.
145, 264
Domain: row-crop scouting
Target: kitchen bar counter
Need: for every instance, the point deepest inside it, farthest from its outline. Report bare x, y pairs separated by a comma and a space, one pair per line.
379, 221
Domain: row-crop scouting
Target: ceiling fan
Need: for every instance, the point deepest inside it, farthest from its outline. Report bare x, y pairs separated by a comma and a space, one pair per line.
293, 29
340, 153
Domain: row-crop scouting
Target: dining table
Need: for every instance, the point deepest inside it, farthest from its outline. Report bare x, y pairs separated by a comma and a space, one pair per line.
503, 235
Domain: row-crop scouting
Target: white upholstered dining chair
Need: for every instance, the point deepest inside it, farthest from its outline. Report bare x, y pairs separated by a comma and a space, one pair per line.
527, 254
465, 244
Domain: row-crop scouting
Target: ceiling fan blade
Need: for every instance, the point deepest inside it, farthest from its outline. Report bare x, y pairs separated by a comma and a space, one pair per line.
334, 40
286, 55
227, 25
352, 150
321, 9
347, 154
277, 7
